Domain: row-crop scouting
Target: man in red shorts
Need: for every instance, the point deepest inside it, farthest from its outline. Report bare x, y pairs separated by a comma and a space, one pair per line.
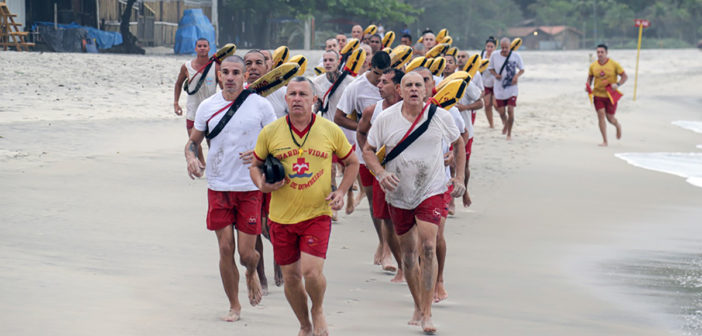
302, 203
605, 72
506, 67
234, 202
414, 183
389, 87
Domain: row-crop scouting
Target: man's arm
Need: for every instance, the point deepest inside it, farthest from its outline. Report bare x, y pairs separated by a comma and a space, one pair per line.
259, 179
342, 120
589, 79
195, 167
351, 164
623, 77
388, 181
514, 80
182, 76
364, 126
478, 104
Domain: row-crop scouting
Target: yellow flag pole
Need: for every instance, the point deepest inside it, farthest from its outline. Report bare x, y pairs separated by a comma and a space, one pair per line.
638, 51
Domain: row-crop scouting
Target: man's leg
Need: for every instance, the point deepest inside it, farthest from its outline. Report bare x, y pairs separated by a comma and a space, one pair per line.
249, 258
488, 109
410, 266
601, 120
503, 116
440, 293
393, 244
316, 286
228, 271
260, 269
612, 120
382, 253
510, 121
427, 233
296, 296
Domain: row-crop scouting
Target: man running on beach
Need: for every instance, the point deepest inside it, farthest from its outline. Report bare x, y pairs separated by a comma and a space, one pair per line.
361, 93
506, 77
191, 71
234, 202
605, 72
301, 203
415, 198
389, 87
488, 80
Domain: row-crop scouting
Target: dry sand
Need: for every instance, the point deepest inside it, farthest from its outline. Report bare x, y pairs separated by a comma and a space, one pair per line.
103, 233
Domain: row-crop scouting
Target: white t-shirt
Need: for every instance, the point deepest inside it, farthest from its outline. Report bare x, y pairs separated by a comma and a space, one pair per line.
478, 80
471, 95
277, 100
488, 78
323, 84
458, 119
420, 167
356, 97
208, 88
503, 88
225, 170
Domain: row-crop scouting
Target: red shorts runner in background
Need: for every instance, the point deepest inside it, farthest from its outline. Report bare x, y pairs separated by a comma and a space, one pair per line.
240, 208
380, 207
429, 211
366, 176
189, 123
469, 147
606, 104
447, 200
488, 91
310, 236
512, 101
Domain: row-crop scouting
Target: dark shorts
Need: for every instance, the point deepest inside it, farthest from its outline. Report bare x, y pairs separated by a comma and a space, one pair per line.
310, 236
512, 101
380, 207
189, 123
240, 208
488, 91
429, 210
606, 104
366, 176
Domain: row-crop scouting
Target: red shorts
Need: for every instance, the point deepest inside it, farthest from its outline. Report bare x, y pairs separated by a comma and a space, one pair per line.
366, 177
240, 208
473, 114
429, 211
380, 207
189, 123
606, 104
488, 91
447, 199
469, 147
310, 236
512, 101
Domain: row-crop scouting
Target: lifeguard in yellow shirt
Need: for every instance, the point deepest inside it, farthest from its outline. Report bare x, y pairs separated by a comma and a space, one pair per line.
608, 74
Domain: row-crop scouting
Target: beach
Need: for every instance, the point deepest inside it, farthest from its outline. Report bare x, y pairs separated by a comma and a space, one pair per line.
103, 232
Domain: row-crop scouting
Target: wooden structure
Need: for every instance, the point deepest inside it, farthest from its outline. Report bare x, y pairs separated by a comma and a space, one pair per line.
11, 34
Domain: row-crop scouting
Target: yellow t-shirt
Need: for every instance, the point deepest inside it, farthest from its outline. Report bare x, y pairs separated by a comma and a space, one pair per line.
307, 176
609, 71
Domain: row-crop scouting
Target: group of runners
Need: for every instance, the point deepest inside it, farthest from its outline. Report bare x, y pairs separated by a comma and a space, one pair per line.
338, 122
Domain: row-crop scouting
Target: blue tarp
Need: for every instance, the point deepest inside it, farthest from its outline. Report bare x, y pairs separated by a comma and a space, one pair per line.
104, 39
192, 26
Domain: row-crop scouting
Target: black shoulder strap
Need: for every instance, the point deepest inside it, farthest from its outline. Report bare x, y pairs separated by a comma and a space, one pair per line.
335, 86
505, 63
199, 82
230, 113
411, 138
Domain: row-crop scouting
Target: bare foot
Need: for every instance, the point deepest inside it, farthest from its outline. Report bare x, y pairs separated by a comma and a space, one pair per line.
428, 327
335, 216
604, 144
350, 203
388, 264
359, 198
254, 286
509, 137
232, 315
399, 277
319, 323
466, 200
416, 318
452, 207
305, 331
619, 131
277, 275
440, 293
378, 257
504, 130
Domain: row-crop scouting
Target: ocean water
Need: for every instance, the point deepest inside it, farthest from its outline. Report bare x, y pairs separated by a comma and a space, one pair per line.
685, 165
